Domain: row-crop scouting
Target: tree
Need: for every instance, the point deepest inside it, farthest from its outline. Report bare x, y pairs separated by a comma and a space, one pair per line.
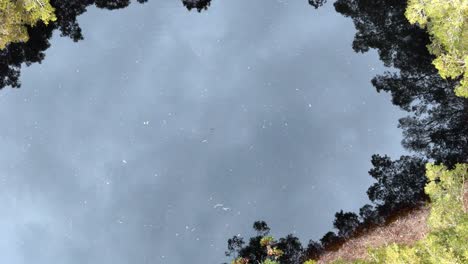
313, 251
235, 244
292, 250
400, 183
447, 23
330, 240
317, 3
15, 54
346, 223
369, 216
261, 228
16, 16
253, 251
199, 5
436, 126
263, 248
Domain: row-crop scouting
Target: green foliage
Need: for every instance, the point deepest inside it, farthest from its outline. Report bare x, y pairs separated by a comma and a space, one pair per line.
310, 262
266, 241
16, 16
240, 261
447, 241
445, 189
447, 23
340, 261
268, 245
276, 252
269, 261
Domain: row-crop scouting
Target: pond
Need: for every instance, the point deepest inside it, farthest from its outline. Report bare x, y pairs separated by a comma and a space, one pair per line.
166, 131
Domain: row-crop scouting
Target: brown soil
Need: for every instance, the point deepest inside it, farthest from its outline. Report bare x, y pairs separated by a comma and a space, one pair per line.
404, 229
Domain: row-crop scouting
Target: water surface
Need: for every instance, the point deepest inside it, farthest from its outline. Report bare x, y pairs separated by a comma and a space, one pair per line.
165, 132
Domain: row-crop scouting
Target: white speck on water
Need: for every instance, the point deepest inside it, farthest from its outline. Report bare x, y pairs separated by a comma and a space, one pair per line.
124, 161
204, 141
226, 208
310, 105
217, 205
146, 123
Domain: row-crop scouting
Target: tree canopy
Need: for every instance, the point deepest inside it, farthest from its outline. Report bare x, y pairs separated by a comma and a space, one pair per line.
199, 5
436, 125
447, 23
399, 183
317, 3
16, 16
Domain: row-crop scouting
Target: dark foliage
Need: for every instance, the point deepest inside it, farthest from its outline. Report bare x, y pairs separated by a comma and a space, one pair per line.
262, 228
199, 5
292, 249
437, 124
317, 3
400, 183
369, 216
330, 240
235, 244
16, 54
346, 223
313, 251
255, 253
